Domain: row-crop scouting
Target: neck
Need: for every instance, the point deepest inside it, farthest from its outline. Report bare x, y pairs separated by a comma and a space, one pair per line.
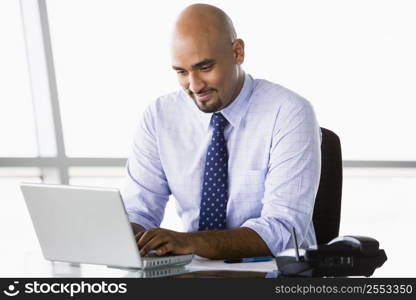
239, 85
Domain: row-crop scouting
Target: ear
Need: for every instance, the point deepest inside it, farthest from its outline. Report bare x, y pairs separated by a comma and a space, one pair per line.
238, 49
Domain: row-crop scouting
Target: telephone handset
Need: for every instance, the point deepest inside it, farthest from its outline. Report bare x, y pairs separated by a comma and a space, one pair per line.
343, 256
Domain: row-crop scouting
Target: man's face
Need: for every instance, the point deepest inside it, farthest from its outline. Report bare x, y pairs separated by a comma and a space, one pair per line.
207, 71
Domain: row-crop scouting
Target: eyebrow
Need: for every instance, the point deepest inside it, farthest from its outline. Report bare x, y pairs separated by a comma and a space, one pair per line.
198, 65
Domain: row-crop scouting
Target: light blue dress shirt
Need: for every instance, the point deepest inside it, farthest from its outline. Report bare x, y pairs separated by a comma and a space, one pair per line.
273, 141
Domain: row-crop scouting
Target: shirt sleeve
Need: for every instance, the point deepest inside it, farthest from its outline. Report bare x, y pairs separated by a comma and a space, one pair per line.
292, 178
146, 191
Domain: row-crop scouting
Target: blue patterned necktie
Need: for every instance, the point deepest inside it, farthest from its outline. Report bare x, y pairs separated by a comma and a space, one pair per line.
215, 186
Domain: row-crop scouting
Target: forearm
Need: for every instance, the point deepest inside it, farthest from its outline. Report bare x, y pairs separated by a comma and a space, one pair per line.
233, 243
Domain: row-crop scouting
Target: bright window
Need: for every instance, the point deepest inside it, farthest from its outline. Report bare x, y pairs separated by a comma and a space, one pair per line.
354, 60
17, 134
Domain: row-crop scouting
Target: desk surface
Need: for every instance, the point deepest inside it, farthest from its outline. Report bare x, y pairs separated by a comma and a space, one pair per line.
32, 264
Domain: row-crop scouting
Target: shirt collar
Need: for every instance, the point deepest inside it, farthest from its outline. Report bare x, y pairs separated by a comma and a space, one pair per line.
235, 111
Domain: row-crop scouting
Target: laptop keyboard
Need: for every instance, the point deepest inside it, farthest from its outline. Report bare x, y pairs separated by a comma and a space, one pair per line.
152, 260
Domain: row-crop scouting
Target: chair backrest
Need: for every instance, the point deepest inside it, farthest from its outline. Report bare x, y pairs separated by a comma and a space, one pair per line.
327, 210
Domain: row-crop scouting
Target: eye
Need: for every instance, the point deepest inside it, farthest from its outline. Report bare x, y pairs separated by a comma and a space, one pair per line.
206, 68
180, 72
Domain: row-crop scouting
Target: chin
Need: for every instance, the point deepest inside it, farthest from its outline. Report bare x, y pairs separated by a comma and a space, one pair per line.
207, 108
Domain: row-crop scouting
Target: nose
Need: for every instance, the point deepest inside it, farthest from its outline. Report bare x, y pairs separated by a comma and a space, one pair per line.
196, 83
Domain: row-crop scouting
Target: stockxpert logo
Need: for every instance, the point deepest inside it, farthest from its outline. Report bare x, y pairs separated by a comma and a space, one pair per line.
11, 289
70, 289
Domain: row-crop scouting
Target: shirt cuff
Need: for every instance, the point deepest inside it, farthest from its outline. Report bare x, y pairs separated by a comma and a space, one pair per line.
141, 219
273, 233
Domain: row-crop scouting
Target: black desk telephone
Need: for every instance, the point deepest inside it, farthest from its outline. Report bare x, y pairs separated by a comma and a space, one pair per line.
343, 256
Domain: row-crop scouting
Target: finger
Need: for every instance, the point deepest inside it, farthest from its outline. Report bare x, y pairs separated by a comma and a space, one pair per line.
153, 244
164, 249
146, 237
139, 235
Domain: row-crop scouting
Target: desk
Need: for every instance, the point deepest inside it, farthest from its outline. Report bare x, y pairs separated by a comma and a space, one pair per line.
34, 265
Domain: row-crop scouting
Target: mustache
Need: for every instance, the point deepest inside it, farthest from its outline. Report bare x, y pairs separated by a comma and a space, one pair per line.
200, 91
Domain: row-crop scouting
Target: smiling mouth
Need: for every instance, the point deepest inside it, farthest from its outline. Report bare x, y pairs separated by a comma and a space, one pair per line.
205, 96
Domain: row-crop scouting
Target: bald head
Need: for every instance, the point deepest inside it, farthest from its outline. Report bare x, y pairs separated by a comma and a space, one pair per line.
207, 55
205, 20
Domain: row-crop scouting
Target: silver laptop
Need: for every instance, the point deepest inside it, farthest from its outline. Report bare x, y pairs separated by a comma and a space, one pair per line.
87, 225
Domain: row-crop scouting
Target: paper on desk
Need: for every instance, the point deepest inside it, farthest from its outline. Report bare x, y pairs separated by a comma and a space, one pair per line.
201, 264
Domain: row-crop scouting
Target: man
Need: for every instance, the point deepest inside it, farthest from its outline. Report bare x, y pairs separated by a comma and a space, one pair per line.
240, 156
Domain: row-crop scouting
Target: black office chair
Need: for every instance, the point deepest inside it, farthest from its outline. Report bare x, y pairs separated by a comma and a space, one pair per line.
327, 210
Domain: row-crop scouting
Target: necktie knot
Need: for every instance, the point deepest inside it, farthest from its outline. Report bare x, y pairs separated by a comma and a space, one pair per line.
218, 121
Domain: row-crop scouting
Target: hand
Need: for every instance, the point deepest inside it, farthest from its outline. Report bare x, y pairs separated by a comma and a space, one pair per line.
164, 241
